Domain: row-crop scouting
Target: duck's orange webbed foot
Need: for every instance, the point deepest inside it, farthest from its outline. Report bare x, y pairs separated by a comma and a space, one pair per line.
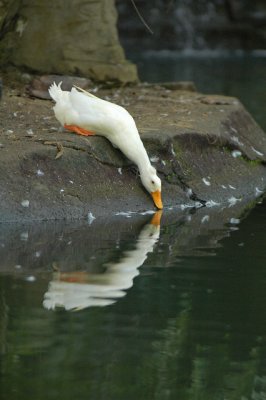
78, 130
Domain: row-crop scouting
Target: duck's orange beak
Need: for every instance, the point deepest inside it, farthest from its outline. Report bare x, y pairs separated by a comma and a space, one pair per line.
157, 199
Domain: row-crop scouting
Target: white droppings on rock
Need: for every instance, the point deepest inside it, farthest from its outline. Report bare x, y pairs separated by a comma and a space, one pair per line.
206, 182
234, 228
198, 204
223, 186
9, 131
126, 214
211, 203
37, 254
184, 206
233, 129
236, 153
20, 26
18, 266
205, 219
232, 201
163, 162
39, 172
25, 203
172, 150
154, 159
148, 212
71, 182
189, 192
258, 192
91, 218
236, 140
232, 187
62, 190
234, 221
24, 236
257, 152
120, 171
30, 278
30, 132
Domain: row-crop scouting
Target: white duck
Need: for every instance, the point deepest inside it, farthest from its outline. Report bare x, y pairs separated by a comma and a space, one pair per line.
86, 114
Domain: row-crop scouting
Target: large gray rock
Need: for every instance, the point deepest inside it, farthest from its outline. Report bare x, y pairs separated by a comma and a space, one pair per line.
74, 39
207, 150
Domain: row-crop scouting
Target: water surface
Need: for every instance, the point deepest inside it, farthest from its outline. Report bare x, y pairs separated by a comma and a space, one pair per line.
150, 307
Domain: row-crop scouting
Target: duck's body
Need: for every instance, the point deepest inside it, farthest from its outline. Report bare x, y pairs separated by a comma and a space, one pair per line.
86, 114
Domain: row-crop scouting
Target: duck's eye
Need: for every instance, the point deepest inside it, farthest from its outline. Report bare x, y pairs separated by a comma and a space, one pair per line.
153, 182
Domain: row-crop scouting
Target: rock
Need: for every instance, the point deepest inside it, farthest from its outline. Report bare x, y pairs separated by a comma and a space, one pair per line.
83, 43
182, 85
191, 138
40, 84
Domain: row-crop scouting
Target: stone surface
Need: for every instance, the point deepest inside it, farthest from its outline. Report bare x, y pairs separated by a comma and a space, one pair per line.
38, 86
79, 39
207, 149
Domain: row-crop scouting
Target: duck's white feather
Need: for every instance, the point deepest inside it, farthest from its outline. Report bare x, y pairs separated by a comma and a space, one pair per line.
85, 91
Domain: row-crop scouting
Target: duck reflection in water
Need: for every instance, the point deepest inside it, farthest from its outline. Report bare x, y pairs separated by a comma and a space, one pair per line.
80, 289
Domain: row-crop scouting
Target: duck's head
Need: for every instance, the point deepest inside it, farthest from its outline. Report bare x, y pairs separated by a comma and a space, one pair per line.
152, 184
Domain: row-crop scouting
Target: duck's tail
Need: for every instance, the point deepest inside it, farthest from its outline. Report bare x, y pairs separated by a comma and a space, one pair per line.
55, 91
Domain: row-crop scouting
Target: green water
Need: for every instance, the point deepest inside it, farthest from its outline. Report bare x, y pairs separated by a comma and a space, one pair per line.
130, 308
186, 317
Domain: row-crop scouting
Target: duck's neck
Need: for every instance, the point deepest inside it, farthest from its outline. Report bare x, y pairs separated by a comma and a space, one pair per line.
136, 152
141, 159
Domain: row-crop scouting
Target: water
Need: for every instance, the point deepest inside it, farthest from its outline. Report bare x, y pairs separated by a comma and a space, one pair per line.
163, 307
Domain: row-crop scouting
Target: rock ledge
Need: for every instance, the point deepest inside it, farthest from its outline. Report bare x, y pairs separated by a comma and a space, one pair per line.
207, 149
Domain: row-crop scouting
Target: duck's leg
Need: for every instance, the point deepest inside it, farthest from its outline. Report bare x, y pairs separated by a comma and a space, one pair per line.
78, 130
